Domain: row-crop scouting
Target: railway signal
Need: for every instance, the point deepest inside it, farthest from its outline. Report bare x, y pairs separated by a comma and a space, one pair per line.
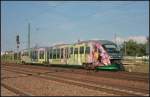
17, 39
18, 42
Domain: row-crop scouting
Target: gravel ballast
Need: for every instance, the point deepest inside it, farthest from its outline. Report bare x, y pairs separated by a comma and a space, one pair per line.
6, 92
42, 87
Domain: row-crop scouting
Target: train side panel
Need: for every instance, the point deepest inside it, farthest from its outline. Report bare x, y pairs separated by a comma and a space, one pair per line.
42, 55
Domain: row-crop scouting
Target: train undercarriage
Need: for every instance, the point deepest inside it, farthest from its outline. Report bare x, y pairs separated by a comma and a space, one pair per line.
115, 65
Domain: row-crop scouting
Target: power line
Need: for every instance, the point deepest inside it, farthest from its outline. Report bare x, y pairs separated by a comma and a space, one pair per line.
43, 12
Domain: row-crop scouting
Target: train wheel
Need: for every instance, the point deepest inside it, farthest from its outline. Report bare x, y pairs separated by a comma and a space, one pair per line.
84, 65
88, 66
23, 62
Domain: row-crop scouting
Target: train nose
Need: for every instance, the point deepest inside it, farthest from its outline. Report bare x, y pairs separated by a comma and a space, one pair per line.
114, 56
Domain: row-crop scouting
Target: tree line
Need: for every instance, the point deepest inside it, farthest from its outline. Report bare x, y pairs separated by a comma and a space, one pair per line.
132, 48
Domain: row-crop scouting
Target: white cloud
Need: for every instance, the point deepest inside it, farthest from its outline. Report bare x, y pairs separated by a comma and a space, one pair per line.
138, 39
120, 40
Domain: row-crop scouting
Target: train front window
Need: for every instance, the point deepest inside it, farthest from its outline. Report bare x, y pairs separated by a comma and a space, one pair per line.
111, 48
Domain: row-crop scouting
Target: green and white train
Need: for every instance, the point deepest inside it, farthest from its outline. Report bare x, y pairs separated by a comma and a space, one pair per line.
80, 54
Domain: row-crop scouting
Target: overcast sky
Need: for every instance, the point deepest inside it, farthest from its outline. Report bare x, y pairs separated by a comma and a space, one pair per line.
67, 21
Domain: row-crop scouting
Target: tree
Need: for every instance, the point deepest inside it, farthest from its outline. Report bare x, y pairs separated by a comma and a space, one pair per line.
132, 48
147, 46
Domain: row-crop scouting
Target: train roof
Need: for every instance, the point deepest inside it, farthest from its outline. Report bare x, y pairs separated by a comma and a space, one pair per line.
80, 42
57, 45
35, 48
101, 41
106, 42
38, 48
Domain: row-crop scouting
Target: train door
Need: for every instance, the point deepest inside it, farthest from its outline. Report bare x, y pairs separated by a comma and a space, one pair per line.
62, 55
45, 56
81, 55
36, 54
50, 54
71, 56
76, 55
88, 57
65, 55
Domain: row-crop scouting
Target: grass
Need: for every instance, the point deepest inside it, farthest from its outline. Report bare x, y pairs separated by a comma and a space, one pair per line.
143, 68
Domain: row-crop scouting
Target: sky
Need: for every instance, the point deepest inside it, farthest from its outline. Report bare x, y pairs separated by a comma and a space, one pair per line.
54, 22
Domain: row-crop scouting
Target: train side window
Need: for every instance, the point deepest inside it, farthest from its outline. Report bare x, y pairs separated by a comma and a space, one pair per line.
67, 52
50, 54
54, 53
58, 53
82, 50
41, 54
76, 51
62, 53
36, 54
33, 54
30, 55
71, 50
87, 50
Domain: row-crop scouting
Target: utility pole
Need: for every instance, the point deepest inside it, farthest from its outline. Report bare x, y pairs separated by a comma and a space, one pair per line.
29, 39
115, 38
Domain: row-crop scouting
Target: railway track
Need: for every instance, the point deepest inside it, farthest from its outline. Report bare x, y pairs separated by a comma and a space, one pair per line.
82, 83
15, 90
117, 75
75, 77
